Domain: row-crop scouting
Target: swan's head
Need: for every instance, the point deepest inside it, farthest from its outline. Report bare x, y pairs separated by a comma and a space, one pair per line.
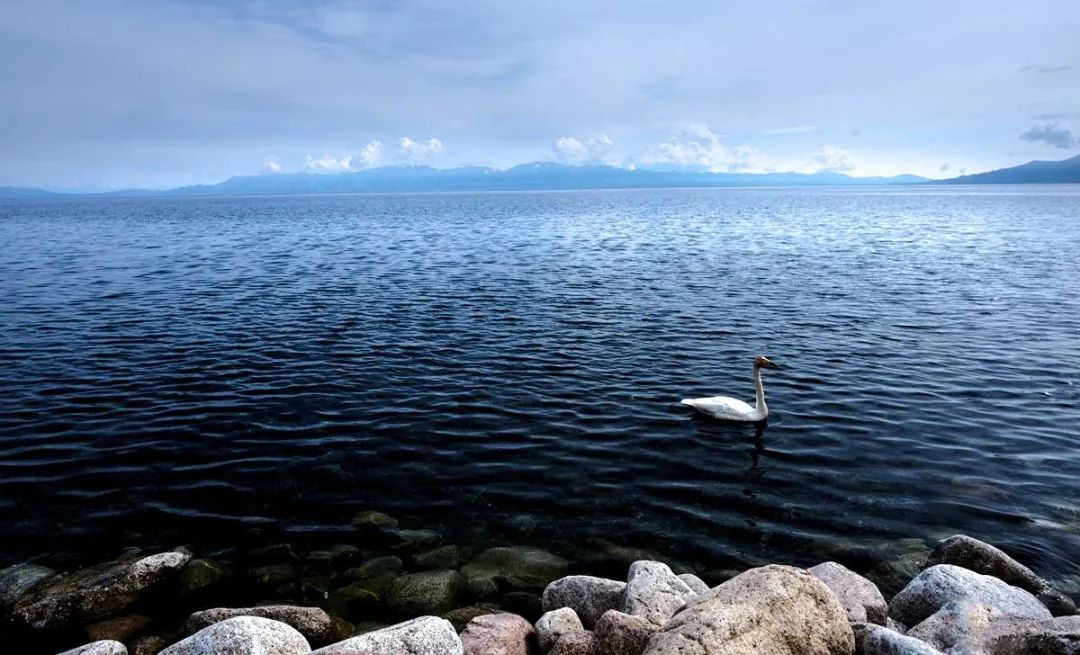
763, 362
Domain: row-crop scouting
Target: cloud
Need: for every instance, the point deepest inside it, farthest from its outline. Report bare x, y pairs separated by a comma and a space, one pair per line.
700, 148
369, 154
946, 167
418, 152
794, 129
1057, 115
831, 159
572, 150
1044, 70
1053, 135
272, 166
367, 158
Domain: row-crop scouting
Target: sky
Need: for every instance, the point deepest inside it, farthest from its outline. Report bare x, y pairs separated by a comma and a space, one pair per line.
161, 93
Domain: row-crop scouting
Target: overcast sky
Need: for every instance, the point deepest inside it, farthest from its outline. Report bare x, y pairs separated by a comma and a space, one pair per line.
159, 93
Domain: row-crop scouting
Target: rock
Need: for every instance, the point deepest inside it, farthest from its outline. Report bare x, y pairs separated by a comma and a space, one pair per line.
199, 575
953, 623
695, 583
972, 554
607, 556
372, 519
461, 616
17, 580
273, 575
771, 610
861, 599
443, 557
499, 634
312, 622
555, 624
376, 575
654, 592
429, 592
274, 554
243, 635
411, 541
893, 575
589, 597
519, 567
98, 592
104, 647
525, 603
119, 629
942, 583
871, 639
575, 643
344, 555
1058, 603
353, 601
622, 634
1022, 636
147, 646
427, 635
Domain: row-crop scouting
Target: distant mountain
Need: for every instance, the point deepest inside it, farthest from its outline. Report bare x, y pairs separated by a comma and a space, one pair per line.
23, 192
535, 176
1033, 172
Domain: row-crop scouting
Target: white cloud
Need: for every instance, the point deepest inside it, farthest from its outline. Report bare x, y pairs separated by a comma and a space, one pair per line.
700, 148
272, 166
831, 159
572, 150
367, 158
416, 151
369, 154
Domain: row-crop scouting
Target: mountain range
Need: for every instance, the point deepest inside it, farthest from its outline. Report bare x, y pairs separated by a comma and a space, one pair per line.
553, 176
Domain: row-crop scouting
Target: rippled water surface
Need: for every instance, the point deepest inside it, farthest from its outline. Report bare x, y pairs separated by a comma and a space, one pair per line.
506, 367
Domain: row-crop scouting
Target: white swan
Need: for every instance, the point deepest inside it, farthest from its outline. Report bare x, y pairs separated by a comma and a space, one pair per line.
732, 409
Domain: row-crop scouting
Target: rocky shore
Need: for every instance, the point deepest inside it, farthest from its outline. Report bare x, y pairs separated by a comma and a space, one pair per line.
402, 592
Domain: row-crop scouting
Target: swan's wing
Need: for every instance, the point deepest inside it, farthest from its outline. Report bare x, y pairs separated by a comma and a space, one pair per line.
721, 407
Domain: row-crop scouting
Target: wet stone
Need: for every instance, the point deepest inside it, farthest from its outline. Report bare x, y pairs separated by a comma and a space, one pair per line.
429, 592
17, 580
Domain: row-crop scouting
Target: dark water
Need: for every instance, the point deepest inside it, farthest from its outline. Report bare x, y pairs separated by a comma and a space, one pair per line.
505, 367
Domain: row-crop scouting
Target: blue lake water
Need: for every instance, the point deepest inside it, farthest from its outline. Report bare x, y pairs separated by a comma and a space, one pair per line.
506, 368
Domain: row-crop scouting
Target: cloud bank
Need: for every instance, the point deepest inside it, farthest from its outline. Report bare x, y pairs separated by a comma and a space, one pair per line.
1055, 136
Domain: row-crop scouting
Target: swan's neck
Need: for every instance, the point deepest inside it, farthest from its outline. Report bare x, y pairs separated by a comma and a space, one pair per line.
759, 392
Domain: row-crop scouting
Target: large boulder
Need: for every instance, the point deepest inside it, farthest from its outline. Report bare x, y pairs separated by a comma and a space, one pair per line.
861, 598
98, 592
103, 647
694, 582
771, 610
555, 624
312, 622
1021, 636
519, 567
574, 643
428, 592
871, 639
588, 596
654, 592
499, 634
943, 583
969, 553
617, 633
427, 635
17, 580
953, 623
243, 635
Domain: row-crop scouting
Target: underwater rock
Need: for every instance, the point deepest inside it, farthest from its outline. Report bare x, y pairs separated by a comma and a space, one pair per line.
17, 580
654, 592
199, 575
520, 567
428, 592
243, 635
555, 624
969, 553
861, 599
617, 633
943, 583
461, 616
411, 541
894, 574
588, 596
312, 622
373, 519
499, 634
427, 635
274, 554
443, 557
771, 610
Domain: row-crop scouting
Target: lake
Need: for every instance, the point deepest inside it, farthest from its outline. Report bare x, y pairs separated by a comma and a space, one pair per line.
506, 368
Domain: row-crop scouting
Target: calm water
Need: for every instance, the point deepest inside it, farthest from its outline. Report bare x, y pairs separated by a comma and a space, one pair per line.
505, 367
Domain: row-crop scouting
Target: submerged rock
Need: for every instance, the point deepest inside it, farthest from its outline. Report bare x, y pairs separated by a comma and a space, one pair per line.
461, 616
443, 557
373, 519
622, 634
588, 596
411, 541
243, 635
97, 592
943, 583
894, 574
200, 575
103, 647
871, 639
312, 622
771, 610
427, 635
499, 634
17, 580
654, 592
861, 598
520, 567
555, 624
969, 553
428, 592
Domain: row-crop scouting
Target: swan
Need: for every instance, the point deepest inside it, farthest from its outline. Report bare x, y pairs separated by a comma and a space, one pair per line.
733, 409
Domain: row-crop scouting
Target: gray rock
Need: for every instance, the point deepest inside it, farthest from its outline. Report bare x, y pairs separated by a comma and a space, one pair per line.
574, 643
150, 645
461, 616
199, 575
520, 567
427, 635
411, 541
969, 553
694, 582
588, 596
443, 557
103, 647
499, 634
98, 592
653, 591
771, 610
243, 635
312, 622
555, 624
953, 623
17, 580
1058, 603
894, 574
873, 639
373, 519
428, 592
861, 599
622, 634
943, 583
1021, 636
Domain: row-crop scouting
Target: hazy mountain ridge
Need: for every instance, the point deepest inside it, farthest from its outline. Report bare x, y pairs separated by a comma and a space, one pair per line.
1063, 171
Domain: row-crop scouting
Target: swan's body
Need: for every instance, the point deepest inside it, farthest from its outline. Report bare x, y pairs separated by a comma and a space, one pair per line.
733, 409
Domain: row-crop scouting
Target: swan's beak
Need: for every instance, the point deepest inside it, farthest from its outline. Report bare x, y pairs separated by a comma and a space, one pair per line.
771, 364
